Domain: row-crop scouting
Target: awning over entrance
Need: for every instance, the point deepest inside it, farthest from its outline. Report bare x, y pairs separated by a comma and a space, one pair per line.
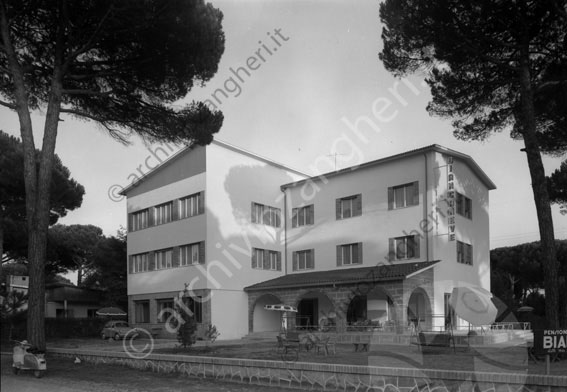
380, 273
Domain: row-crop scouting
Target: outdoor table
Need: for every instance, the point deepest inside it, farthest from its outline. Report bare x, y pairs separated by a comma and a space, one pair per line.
362, 345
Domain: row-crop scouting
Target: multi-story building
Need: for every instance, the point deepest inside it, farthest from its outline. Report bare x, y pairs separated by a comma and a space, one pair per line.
383, 242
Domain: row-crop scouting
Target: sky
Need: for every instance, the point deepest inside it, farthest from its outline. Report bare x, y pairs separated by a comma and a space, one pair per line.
316, 93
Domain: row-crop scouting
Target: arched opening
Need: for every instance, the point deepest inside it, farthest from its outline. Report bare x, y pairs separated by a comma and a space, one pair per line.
419, 309
266, 320
314, 310
373, 309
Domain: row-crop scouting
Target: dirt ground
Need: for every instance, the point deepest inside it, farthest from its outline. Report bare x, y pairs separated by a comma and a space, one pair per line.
63, 375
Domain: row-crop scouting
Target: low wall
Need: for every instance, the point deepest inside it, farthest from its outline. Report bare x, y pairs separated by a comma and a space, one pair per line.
326, 377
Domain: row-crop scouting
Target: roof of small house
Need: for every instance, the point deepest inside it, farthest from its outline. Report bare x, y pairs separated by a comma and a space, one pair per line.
59, 292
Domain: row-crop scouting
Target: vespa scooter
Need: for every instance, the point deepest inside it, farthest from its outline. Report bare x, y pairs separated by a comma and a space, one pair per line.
26, 358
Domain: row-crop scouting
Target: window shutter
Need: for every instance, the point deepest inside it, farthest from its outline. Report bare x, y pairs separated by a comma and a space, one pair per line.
360, 252
390, 198
254, 258
266, 265
294, 262
417, 246
310, 262
294, 213
151, 261
175, 256
278, 216
357, 205
131, 263
416, 193
339, 255
202, 252
311, 214
201, 198
151, 217
175, 210
279, 261
130, 222
253, 213
392, 249
338, 208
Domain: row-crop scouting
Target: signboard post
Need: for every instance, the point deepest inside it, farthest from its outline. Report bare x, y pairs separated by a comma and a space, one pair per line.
550, 341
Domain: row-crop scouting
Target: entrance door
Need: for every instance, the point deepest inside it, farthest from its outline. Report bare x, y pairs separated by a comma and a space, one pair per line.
307, 312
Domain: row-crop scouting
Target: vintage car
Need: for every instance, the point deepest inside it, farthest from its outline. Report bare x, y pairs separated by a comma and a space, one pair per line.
116, 330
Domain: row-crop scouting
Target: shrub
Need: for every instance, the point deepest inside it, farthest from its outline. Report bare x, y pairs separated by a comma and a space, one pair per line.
212, 333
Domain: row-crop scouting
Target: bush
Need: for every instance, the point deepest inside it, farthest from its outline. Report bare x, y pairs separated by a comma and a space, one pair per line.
186, 332
187, 326
73, 327
212, 333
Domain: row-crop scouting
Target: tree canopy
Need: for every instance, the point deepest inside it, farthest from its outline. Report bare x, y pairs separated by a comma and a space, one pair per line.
108, 271
117, 62
516, 274
472, 53
557, 184
72, 247
66, 195
491, 66
122, 64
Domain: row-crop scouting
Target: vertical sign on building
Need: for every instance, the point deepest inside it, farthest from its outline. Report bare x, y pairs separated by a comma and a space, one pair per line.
450, 198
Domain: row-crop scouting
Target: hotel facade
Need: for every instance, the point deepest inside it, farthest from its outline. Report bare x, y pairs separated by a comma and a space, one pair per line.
380, 244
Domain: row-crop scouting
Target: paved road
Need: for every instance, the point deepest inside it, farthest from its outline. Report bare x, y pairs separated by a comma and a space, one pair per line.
65, 376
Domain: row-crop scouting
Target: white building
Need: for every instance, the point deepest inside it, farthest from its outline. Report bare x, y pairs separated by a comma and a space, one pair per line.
382, 243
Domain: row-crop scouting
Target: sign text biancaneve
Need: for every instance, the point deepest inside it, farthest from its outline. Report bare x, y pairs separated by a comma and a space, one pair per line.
550, 341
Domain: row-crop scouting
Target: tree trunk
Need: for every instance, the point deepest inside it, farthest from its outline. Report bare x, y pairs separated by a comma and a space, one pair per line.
39, 225
1, 243
541, 196
79, 275
37, 183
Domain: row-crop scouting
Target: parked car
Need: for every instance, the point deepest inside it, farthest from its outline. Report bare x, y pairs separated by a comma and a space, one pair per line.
116, 330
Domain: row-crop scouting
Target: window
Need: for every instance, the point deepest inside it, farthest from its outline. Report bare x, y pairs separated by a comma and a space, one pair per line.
403, 195
162, 213
404, 248
164, 309
163, 258
348, 207
349, 254
266, 215
195, 307
139, 263
192, 254
139, 220
266, 259
191, 205
464, 253
302, 216
303, 260
464, 205
142, 311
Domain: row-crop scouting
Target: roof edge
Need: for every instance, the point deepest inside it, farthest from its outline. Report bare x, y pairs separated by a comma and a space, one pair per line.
217, 142
368, 278
240, 150
433, 147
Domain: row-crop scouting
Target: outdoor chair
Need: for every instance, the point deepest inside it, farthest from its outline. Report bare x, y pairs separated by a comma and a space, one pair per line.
326, 343
282, 344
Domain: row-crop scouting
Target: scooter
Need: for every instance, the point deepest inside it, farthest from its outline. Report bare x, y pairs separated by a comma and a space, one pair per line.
26, 358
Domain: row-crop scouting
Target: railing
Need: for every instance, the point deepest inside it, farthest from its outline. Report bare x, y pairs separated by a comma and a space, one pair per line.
499, 326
